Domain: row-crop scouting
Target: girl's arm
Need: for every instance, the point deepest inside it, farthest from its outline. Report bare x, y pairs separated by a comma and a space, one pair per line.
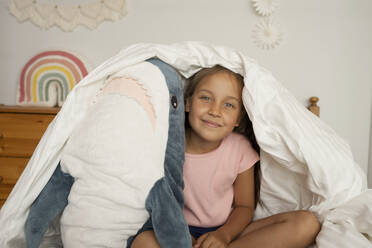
241, 215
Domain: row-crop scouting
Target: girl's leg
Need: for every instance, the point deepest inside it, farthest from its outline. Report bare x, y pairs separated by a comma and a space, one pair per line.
145, 239
293, 229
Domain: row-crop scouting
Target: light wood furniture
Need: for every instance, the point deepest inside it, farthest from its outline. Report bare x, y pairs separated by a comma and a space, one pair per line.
20, 131
313, 105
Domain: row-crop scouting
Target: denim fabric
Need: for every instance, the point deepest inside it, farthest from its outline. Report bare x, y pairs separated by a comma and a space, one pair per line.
196, 231
51, 202
165, 200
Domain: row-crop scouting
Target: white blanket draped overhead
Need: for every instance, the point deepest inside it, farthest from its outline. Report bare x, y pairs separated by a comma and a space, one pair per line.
304, 164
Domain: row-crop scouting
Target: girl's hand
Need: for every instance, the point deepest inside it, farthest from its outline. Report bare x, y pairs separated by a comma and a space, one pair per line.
215, 239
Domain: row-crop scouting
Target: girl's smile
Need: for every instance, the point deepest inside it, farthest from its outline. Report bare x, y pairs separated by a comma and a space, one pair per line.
211, 124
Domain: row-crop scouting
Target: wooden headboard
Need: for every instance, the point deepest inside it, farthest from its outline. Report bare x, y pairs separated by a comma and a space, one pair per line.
313, 107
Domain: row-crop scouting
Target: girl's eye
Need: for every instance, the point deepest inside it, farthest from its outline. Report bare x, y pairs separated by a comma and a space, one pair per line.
229, 105
205, 98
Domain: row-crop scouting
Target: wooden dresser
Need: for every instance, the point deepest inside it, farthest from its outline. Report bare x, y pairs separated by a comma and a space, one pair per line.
20, 131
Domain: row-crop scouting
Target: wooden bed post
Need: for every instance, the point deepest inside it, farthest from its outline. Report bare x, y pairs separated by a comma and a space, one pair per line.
313, 105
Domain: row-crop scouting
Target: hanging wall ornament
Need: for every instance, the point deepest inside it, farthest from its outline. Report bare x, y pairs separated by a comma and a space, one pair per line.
266, 35
66, 16
265, 7
48, 77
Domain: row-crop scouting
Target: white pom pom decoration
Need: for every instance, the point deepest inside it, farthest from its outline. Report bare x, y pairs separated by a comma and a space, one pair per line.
45, 14
266, 35
265, 7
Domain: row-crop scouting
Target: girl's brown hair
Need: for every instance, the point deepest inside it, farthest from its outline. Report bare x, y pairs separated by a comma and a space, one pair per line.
245, 125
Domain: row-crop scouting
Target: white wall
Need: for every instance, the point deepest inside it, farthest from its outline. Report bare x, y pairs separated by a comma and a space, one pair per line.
327, 50
370, 156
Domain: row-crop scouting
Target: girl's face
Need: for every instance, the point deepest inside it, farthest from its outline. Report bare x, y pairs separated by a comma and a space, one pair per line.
214, 108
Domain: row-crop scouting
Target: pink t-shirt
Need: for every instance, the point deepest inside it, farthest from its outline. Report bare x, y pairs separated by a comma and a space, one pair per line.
209, 180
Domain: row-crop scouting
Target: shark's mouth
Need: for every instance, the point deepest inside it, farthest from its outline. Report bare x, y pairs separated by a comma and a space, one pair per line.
131, 88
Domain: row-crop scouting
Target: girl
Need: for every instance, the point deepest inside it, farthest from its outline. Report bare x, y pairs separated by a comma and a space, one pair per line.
221, 173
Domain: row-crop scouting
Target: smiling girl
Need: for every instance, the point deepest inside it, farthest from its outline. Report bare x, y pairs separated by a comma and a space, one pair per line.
221, 171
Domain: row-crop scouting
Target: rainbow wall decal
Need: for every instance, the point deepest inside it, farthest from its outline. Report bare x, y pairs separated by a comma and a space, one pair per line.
48, 77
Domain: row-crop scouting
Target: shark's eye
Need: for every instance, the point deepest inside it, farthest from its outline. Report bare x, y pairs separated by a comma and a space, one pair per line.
174, 101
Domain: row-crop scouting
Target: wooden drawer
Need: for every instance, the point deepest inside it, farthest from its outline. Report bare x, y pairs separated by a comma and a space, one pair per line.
11, 169
20, 133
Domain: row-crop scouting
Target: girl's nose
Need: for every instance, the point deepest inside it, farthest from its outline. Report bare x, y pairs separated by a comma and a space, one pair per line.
214, 111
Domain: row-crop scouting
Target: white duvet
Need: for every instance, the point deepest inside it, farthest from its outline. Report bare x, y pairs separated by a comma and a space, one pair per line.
304, 164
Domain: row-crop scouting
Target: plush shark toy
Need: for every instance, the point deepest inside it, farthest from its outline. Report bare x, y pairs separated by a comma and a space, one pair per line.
164, 201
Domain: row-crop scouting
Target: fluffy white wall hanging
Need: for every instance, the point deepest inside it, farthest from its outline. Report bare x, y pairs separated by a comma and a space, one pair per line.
67, 16
265, 7
266, 34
